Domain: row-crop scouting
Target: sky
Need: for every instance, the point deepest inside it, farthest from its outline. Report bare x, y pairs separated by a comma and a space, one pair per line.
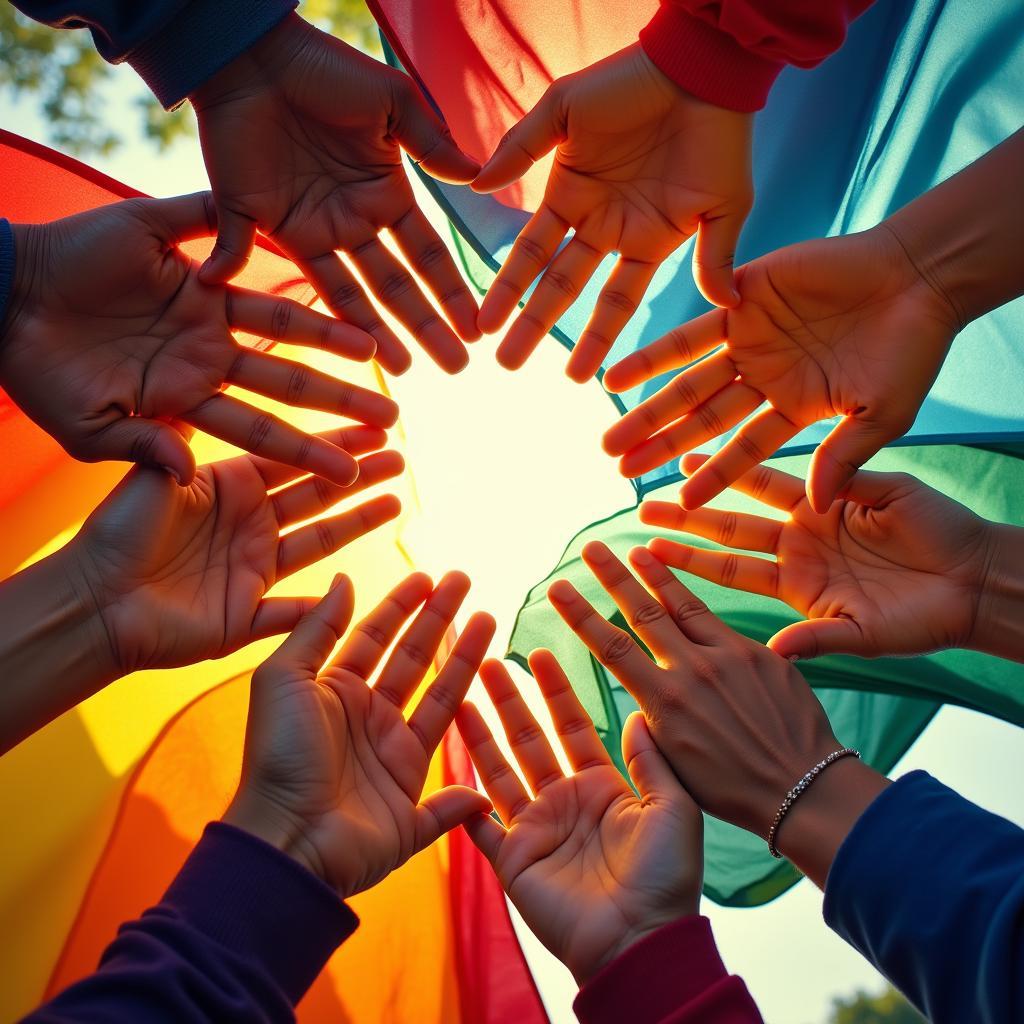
505, 469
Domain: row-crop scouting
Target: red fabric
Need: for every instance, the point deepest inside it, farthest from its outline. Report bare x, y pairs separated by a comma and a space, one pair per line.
729, 52
673, 976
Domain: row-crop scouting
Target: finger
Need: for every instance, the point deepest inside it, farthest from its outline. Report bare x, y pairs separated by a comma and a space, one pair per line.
847, 447
714, 255
614, 648
739, 572
772, 486
719, 413
815, 638
532, 251
414, 655
257, 431
310, 497
650, 773
645, 615
486, 835
425, 138
281, 319
344, 297
754, 442
183, 218
731, 529
370, 639
444, 810
355, 440
501, 784
680, 347
396, 289
146, 442
686, 391
557, 290
525, 736
236, 235
312, 640
299, 385
535, 135
436, 710
615, 306
277, 615
579, 738
688, 612
309, 544
429, 256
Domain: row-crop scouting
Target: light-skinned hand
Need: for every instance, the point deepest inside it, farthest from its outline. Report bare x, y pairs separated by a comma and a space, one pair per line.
303, 138
640, 166
333, 772
592, 866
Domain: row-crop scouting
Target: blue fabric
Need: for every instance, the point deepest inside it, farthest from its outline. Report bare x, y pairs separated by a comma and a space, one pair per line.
239, 936
930, 888
917, 92
7, 257
174, 45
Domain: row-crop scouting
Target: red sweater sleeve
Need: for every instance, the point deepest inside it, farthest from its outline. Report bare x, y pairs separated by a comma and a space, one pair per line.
729, 52
673, 976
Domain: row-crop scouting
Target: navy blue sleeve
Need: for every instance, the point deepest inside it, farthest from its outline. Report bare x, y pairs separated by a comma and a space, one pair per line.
930, 888
6, 266
175, 45
239, 936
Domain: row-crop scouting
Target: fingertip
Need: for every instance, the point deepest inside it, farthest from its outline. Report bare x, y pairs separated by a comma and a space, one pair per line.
596, 551
641, 557
490, 317
580, 371
352, 342
389, 507
562, 592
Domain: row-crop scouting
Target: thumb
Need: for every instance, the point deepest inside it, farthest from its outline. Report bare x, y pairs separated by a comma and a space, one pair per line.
524, 144
426, 139
147, 442
714, 255
814, 638
651, 773
444, 810
848, 446
236, 235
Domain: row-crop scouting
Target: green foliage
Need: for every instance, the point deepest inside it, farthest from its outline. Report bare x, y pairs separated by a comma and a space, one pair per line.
887, 1008
62, 72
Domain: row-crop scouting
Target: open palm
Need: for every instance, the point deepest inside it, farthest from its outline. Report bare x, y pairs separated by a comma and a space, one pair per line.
179, 574
322, 127
894, 567
591, 866
833, 327
332, 770
640, 166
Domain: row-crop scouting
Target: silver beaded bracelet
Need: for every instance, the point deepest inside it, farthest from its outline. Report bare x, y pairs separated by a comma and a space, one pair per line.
794, 794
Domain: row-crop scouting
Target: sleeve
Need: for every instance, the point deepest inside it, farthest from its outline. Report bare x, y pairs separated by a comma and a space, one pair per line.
239, 936
930, 888
174, 45
672, 976
729, 52
7, 254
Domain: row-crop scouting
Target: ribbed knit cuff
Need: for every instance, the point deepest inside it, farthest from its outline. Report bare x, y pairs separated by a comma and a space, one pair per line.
7, 256
205, 37
262, 905
707, 62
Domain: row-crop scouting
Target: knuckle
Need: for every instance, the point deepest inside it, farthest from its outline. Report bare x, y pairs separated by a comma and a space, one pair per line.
730, 567
280, 319
681, 345
344, 295
533, 251
616, 649
258, 432
685, 391
430, 256
646, 614
619, 301
710, 420
727, 528
750, 448
526, 734
561, 282
298, 382
325, 537
761, 480
688, 609
444, 698
415, 653
395, 285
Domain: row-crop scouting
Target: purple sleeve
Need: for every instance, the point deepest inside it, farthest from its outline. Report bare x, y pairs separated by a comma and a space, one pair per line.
239, 936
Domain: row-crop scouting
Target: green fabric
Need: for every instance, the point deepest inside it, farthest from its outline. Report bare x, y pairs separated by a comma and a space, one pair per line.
879, 706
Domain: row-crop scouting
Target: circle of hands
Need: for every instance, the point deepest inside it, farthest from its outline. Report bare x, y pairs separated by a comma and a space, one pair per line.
338, 745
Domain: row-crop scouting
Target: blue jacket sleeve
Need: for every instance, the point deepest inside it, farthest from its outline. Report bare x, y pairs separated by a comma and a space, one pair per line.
930, 888
239, 936
175, 45
6, 267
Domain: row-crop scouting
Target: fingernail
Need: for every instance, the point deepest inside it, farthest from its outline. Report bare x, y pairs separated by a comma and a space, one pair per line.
336, 582
561, 590
595, 551
173, 473
641, 556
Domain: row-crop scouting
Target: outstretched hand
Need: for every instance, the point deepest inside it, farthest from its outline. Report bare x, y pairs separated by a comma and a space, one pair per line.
842, 326
112, 341
892, 568
333, 772
591, 866
322, 128
639, 167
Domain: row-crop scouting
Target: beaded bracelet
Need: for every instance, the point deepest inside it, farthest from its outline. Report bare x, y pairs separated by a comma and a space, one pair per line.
794, 794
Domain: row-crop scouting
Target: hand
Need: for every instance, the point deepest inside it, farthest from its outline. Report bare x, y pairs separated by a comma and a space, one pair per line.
112, 341
591, 866
738, 724
834, 327
639, 167
333, 773
893, 567
177, 575
319, 126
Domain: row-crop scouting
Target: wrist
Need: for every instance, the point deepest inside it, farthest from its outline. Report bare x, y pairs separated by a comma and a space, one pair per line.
999, 620
583, 972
